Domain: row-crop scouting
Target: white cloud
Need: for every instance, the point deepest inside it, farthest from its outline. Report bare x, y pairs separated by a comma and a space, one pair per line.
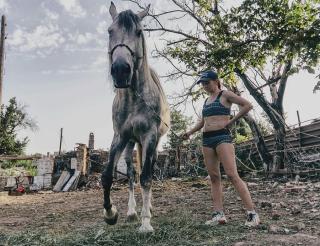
50, 14
102, 27
99, 65
46, 72
82, 39
4, 5
73, 7
101, 61
85, 38
45, 37
104, 9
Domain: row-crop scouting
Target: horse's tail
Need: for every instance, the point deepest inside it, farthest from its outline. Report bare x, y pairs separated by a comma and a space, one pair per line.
139, 162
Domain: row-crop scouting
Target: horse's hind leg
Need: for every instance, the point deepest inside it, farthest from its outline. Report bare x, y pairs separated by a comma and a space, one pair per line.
131, 214
110, 211
148, 152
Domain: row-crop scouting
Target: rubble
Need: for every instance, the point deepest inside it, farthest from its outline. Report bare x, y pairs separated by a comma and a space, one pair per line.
299, 226
94, 182
265, 204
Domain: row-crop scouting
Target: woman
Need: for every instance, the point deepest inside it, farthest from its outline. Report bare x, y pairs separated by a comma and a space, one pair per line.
218, 147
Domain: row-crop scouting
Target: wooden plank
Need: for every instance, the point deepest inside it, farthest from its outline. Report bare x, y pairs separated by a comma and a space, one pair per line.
65, 175
310, 136
44, 166
71, 180
47, 181
307, 171
37, 182
16, 157
74, 163
11, 182
75, 183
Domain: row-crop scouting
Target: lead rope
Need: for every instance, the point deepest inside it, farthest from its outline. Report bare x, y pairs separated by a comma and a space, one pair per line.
155, 113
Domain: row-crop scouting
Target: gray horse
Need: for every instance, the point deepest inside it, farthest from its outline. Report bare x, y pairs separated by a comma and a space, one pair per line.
140, 112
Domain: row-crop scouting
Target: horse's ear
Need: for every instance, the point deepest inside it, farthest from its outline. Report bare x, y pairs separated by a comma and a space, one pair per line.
143, 13
113, 11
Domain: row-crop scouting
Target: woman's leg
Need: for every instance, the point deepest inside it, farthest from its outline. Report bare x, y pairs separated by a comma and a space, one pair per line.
226, 154
213, 166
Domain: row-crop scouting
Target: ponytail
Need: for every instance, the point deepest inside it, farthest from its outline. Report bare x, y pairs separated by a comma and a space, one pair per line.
219, 84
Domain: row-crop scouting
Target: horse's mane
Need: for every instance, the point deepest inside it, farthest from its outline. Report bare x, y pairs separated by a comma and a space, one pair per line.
128, 20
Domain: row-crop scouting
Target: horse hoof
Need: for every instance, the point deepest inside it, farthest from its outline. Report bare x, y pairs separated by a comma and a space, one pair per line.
132, 218
111, 216
146, 229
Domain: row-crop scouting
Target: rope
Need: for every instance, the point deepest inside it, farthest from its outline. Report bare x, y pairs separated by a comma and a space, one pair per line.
155, 113
254, 170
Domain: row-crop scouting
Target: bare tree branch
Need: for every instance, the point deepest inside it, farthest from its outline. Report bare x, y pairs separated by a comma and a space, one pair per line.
176, 42
161, 54
168, 12
191, 12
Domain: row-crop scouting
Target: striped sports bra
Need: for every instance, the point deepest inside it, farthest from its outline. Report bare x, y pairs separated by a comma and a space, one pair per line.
215, 108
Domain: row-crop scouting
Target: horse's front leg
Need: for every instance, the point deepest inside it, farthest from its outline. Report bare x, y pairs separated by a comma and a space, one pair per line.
131, 214
110, 211
149, 145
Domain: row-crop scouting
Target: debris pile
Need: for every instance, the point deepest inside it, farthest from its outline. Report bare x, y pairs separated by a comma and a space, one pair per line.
94, 181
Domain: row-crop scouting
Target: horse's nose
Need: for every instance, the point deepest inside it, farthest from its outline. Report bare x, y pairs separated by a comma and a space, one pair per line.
120, 67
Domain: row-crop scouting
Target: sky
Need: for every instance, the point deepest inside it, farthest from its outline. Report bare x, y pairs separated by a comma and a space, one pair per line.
56, 65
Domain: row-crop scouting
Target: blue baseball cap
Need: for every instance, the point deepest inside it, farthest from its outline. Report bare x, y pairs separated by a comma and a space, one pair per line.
208, 75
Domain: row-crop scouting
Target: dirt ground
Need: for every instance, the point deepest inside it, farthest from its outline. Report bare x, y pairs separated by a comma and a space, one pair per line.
290, 215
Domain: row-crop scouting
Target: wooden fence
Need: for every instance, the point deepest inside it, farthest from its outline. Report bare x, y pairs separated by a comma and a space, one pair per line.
298, 137
302, 146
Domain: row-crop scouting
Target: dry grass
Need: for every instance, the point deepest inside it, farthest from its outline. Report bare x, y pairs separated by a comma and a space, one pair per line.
179, 228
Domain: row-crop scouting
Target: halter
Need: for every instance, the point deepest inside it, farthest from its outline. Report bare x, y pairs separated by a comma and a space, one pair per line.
137, 58
128, 48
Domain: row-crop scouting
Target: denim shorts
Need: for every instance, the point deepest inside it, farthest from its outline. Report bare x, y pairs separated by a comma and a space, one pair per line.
212, 139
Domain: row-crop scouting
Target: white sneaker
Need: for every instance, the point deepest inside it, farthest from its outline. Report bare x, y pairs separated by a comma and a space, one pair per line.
218, 218
252, 220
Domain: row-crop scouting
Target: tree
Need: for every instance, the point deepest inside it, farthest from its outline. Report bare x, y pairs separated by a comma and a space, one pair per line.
262, 42
179, 124
12, 119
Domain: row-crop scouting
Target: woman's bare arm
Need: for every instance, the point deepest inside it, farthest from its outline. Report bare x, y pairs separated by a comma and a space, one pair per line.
196, 128
245, 106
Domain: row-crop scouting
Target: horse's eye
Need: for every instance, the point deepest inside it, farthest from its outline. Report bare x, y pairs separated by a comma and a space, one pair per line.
139, 32
110, 31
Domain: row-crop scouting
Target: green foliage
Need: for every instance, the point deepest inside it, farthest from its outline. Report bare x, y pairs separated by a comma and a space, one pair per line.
250, 35
238, 138
265, 127
12, 119
14, 168
32, 170
241, 131
179, 124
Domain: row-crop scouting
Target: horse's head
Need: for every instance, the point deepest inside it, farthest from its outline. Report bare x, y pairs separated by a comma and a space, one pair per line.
126, 45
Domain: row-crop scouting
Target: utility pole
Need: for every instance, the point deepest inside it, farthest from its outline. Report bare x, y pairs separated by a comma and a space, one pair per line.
299, 121
2, 38
61, 130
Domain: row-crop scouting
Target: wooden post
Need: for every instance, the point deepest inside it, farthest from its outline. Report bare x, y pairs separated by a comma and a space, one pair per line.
299, 121
61, 131
178, 160
3, 33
